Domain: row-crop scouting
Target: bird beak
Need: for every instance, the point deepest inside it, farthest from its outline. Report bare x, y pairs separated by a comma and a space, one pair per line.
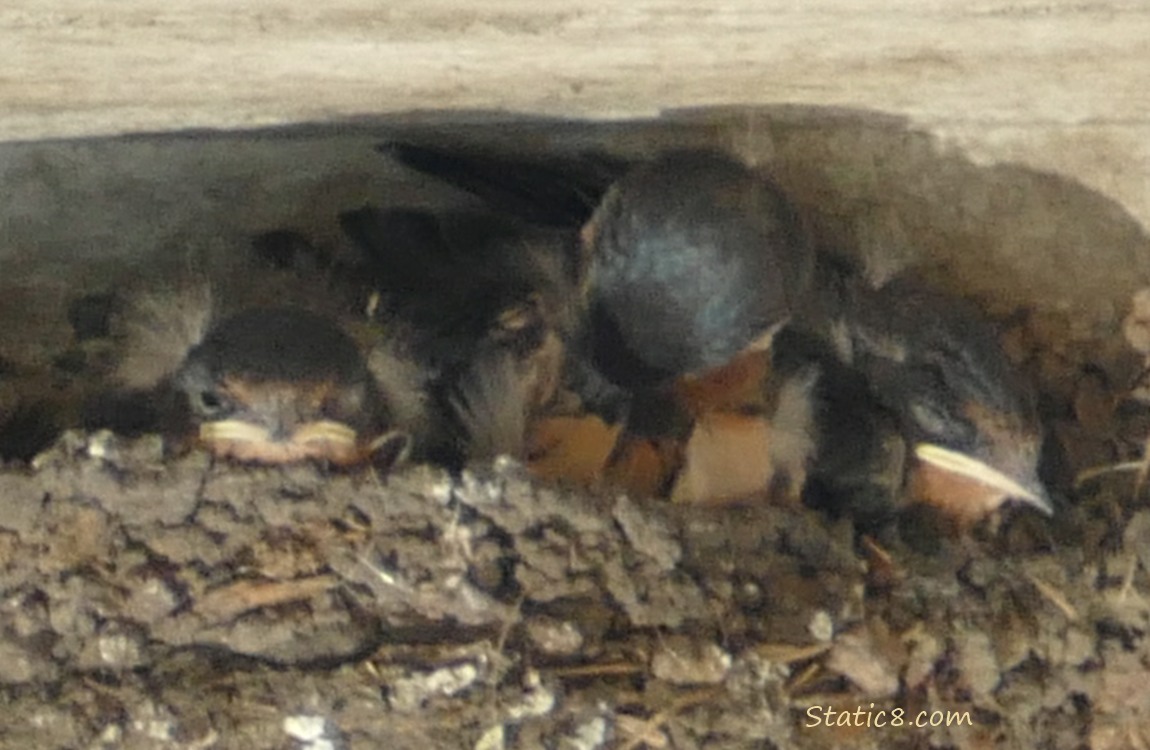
326, 439
311, 432
232, 429
763, 342
963, 465
324, 431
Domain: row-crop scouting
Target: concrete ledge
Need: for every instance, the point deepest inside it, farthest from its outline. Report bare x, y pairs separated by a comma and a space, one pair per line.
1056, 85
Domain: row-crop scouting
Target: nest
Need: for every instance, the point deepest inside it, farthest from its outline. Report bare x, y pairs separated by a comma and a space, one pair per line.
152, 600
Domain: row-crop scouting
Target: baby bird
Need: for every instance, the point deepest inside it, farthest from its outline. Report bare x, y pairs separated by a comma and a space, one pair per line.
273, 383
282, 385
488, 303
920, 398
685, 264
684, 261
689, 265
692, 259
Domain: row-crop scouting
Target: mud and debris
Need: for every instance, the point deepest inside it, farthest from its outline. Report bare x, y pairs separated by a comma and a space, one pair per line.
194, 604
151, 599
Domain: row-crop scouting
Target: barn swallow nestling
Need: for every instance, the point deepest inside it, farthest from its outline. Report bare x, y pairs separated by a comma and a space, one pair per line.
690, 263
270, 385
488, 303
694, 262
932, 362
687, 262
693, 259
687, 259
281, 385
461, 279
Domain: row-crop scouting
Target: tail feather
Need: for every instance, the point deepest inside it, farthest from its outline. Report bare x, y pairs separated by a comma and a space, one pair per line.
560, 193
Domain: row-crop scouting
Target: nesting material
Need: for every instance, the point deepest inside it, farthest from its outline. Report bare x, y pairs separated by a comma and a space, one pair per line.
165, 587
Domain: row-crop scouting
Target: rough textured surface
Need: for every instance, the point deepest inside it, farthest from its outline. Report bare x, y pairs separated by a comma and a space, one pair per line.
253, 606
174, 603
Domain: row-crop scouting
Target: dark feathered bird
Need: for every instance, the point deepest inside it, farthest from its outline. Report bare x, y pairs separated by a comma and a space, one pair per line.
683, 264
487, 302
687, 259
258, 363
970, 419
279, 385
919, 399
459, 278
693, 258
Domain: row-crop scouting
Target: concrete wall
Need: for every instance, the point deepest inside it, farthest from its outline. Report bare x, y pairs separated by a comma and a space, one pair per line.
1058, 85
